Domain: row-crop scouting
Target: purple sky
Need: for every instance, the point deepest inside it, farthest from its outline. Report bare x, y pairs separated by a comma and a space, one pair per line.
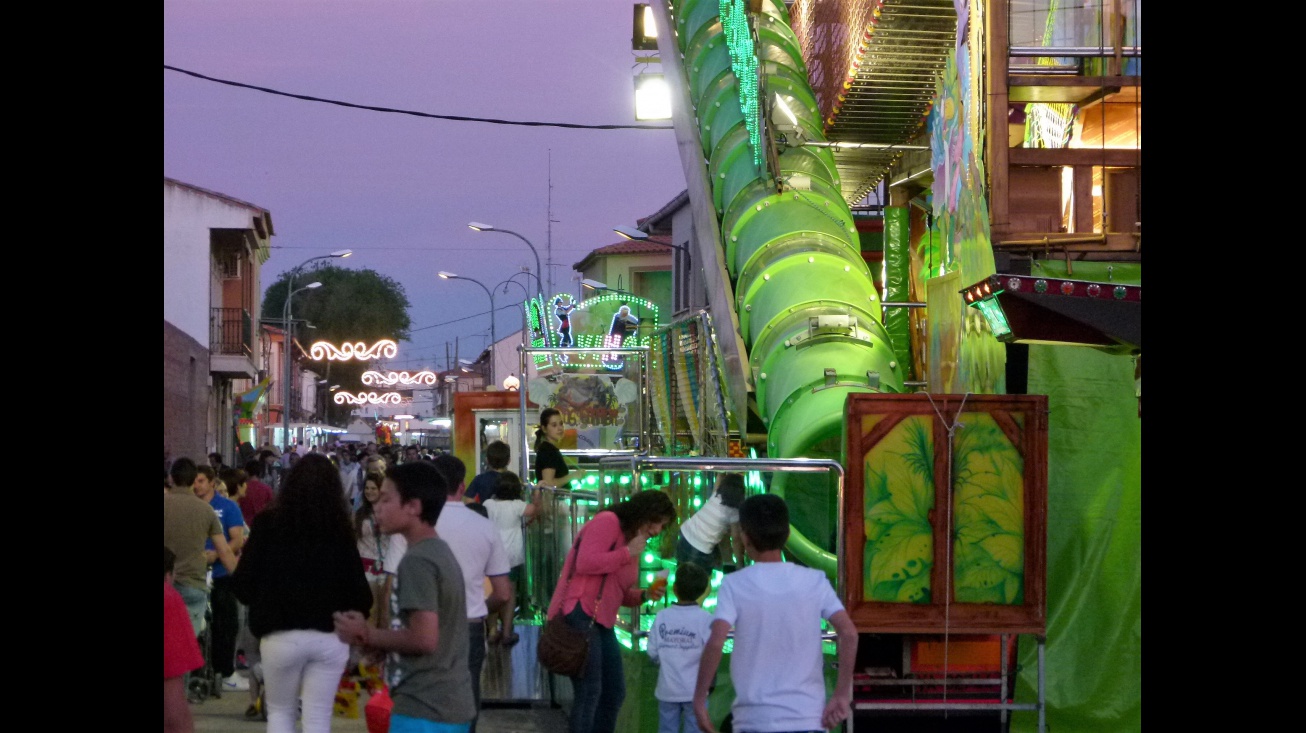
399, 190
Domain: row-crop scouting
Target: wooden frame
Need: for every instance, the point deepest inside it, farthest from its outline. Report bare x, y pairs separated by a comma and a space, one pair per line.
1023, 420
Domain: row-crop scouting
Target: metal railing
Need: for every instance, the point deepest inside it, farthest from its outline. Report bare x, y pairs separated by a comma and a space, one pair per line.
231, 331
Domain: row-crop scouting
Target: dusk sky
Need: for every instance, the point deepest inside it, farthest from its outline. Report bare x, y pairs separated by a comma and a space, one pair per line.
398, 189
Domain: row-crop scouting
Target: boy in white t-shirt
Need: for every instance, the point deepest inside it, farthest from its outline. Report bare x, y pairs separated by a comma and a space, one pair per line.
675, 644
776, 609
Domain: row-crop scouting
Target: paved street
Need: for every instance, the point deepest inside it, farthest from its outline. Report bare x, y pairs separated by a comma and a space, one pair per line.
227, 715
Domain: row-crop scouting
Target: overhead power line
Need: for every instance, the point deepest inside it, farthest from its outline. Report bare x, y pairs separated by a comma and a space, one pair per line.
457, 118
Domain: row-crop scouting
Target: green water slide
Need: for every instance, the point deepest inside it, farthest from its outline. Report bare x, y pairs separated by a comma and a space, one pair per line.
807, 306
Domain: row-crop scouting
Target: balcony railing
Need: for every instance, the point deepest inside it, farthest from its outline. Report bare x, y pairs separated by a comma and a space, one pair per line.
231, 331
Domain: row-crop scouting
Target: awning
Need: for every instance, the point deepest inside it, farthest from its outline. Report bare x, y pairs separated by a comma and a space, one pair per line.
1036, 309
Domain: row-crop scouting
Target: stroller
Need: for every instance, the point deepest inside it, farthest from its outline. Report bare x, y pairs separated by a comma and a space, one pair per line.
203, 683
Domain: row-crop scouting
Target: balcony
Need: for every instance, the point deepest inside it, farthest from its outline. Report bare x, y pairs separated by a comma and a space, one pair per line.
1068, 182
231, 338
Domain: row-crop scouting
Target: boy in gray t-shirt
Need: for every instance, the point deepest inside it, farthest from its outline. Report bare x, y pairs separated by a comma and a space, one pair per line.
427, 643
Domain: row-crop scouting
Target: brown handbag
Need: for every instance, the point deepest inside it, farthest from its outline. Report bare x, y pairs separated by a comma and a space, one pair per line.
563, 649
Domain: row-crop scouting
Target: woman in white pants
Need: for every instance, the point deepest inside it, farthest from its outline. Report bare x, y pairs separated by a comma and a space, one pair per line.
299, 566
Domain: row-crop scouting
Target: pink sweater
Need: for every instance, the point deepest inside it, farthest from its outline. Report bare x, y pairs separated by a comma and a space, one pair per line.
602, 554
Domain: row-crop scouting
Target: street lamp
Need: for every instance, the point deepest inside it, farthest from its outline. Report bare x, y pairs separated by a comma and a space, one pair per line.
597, 285
289, 337
481, 227
527, 271
493, 340
639, 235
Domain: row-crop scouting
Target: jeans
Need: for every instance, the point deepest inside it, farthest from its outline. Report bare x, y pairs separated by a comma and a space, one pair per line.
476, 661
601, 690
226, 624
670, 715
197, 599
686, 552
312, 659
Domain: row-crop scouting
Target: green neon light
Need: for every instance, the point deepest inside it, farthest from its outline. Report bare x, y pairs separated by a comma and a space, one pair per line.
995, 316
743, 61
591, 340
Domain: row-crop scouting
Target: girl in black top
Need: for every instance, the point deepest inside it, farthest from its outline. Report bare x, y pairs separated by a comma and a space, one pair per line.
299, 566
550, 469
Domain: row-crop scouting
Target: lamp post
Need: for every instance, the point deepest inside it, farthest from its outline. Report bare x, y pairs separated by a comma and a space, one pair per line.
680, 297
285, 356
524, 325
290, 293
527, 271
493, 340
481, 227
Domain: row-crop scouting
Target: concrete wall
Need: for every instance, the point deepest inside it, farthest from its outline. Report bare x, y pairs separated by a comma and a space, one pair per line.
190, 284
197, 408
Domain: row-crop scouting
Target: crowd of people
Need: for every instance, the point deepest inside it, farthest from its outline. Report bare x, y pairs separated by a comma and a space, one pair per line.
307, 566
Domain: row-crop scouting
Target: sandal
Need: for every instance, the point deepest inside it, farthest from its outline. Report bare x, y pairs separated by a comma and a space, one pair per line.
511, 639
493, 637
251, 712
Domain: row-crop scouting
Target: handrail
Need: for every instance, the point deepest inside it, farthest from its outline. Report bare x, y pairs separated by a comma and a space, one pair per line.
1073, 51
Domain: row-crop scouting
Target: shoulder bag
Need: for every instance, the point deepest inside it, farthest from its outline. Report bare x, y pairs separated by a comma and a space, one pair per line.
563, 649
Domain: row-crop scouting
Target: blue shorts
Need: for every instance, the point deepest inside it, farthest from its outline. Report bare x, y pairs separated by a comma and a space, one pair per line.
405, 724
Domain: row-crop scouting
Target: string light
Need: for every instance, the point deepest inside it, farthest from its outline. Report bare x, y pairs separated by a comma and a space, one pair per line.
743, 62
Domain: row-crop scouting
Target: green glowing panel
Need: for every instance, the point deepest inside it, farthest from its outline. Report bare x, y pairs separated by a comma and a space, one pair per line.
994, 314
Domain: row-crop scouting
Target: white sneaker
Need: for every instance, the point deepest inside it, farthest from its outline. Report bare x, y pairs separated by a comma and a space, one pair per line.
235, 682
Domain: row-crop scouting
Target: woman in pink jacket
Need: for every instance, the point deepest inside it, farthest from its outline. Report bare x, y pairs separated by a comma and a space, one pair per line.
605, 558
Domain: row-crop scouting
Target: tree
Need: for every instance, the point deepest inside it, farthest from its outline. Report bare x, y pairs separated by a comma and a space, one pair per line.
352, 305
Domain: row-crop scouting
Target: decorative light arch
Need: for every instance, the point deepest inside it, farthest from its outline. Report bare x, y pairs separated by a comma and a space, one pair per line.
368, 398
386, 379
385, 348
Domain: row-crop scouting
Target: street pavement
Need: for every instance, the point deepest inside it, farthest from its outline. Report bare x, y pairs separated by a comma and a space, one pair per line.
227, 715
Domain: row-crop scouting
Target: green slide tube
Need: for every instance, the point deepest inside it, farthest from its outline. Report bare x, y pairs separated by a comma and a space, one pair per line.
807, 306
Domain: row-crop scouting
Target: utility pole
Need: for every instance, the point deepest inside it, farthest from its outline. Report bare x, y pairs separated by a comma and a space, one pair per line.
548, 226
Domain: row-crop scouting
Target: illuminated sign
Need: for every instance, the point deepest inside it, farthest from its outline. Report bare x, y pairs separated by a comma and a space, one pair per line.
610, 320
386, 379
353, 350
368, 398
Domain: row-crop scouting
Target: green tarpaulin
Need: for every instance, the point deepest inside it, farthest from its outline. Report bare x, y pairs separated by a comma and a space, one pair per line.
1094, 577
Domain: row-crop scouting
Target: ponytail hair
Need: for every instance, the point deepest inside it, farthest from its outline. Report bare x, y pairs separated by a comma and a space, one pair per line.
545, 415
